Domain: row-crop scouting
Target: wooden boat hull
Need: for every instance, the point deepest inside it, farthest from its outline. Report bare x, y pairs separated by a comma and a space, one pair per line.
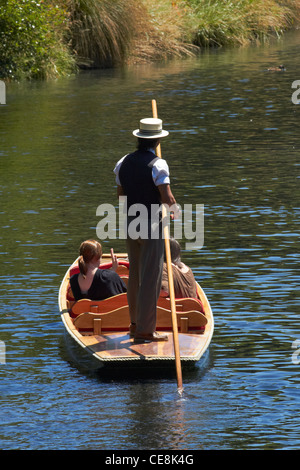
112, 345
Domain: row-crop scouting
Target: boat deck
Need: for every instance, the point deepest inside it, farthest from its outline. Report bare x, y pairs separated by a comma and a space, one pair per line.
118, 346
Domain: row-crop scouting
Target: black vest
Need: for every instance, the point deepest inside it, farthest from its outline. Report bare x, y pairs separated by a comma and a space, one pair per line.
136, 179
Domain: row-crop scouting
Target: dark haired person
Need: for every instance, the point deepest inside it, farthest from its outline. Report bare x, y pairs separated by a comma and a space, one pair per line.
183, 277
144, 179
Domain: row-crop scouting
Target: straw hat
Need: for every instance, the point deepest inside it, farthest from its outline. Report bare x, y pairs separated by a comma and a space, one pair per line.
150, 128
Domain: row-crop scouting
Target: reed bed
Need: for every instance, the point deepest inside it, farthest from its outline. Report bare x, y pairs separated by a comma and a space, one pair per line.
106, 33
49, 38
102, 30
222, 23
163, 32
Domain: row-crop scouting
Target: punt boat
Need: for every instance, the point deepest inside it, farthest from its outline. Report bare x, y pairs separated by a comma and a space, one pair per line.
101, 328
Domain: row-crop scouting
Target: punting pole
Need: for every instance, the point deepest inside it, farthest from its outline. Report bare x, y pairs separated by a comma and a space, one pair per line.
171, 282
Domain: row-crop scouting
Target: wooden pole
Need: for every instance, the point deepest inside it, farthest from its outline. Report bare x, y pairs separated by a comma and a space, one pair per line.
170, 277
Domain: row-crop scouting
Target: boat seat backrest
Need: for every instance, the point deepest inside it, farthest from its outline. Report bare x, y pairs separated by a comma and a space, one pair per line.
117, 320
194, 320
182, 305
122, 270
99, 306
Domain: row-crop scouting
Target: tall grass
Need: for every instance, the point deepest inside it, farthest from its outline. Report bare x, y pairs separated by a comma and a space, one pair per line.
219, 23
102, 30
106, 33
46, 38
163, 32
180, 27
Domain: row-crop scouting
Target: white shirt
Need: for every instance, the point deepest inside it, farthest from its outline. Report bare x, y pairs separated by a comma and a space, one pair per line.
160, 171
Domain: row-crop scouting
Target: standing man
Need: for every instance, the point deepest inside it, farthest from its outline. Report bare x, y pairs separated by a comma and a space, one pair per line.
144, 179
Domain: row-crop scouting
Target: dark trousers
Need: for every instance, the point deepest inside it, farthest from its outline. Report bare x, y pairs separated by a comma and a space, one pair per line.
145, 275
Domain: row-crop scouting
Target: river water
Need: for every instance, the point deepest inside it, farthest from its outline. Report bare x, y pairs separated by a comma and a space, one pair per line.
234, 147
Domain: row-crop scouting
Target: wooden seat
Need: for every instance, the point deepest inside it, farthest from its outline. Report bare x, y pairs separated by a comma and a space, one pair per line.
182, 305
189, 320
119, 320
97, 323
122, 270
99, 306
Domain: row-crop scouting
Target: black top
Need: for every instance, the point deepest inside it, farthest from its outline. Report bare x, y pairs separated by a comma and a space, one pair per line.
106, 283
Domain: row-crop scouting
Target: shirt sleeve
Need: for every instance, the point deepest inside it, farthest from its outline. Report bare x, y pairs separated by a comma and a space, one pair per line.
160, 172
117, 169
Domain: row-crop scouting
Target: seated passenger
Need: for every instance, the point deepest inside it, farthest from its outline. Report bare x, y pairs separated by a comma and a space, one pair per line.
184, 281
93, 283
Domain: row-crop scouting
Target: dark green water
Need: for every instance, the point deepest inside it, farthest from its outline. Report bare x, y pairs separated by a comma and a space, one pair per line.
234, 147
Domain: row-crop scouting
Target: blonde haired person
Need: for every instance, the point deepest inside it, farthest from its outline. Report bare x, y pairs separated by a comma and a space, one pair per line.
91, 282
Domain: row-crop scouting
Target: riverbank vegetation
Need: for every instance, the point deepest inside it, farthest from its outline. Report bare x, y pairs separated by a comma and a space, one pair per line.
50, 38
32, 41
